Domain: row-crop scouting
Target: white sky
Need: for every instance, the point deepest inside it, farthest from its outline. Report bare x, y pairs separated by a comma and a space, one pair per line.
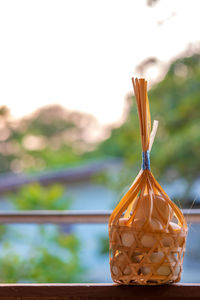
83, 53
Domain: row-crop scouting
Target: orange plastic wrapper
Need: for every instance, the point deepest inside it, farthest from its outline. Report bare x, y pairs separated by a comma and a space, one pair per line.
147, 231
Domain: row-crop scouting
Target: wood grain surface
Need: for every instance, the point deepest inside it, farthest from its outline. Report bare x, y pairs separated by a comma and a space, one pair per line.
97, 291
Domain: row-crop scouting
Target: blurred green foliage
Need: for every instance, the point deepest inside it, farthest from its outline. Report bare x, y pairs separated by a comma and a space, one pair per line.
174, 102
51, 137
103, 244
49, 253
35, 196
41, 264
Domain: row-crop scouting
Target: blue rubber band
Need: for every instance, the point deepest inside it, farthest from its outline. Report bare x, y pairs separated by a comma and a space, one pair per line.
145, 160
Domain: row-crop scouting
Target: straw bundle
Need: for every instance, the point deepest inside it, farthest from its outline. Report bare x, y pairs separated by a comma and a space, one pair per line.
147, 231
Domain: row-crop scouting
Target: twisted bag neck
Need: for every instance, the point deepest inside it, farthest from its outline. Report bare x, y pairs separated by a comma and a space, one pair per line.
146, 160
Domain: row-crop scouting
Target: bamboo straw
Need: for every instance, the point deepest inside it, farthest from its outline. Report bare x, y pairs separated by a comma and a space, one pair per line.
147, 231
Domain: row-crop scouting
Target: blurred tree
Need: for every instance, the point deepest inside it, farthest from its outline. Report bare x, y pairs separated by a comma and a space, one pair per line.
175, 103
50, 137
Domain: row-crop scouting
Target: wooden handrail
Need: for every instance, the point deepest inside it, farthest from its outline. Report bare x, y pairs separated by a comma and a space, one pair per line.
97, 292
72, 217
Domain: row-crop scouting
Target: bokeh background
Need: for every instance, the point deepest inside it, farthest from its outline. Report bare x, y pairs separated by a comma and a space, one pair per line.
69, 131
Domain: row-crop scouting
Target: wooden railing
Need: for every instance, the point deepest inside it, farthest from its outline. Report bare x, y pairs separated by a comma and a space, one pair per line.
73, 217
97, 292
